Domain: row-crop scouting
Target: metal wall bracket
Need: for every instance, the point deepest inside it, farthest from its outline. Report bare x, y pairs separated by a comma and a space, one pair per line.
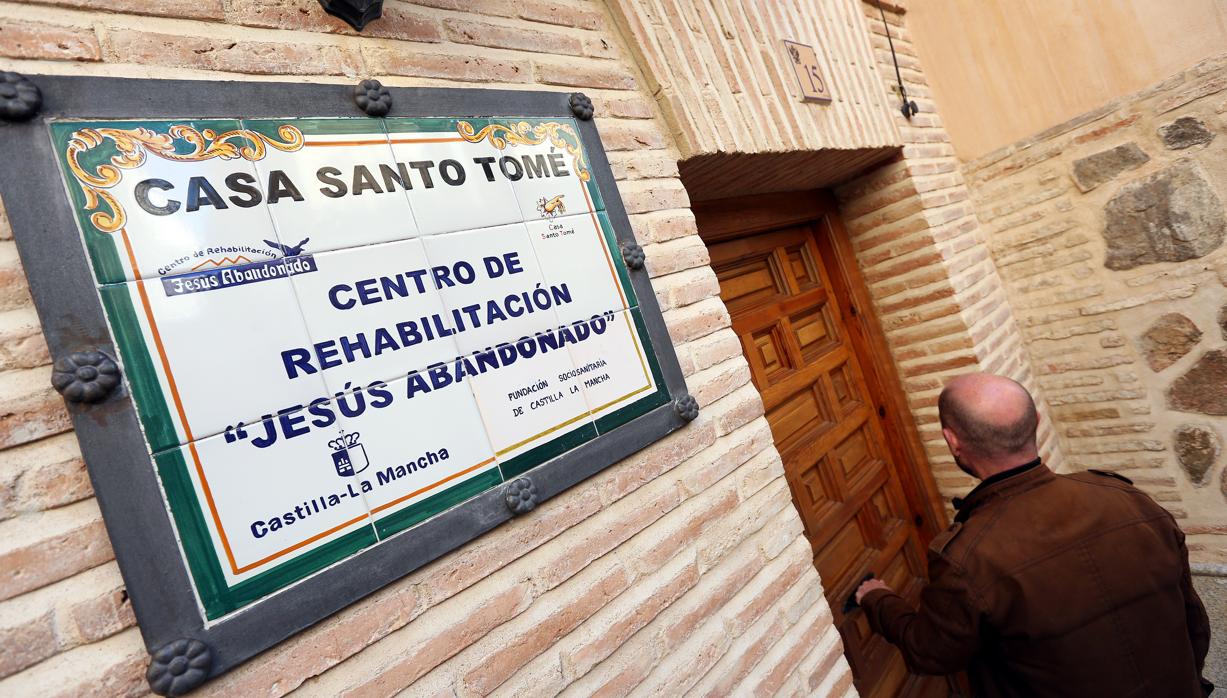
373, 98
633, 255
85, 376
521, 496
687, 407
581, 106
356, 13
20, 99
178, 667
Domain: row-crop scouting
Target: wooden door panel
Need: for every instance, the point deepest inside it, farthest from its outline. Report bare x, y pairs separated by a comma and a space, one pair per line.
807, 362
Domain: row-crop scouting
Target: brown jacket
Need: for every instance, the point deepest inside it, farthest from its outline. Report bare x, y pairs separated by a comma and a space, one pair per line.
1056, 585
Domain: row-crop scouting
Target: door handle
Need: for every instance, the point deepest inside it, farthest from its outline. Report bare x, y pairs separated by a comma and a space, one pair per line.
850, 604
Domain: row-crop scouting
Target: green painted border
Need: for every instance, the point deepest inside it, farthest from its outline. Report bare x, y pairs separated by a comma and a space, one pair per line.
217, 597
548, 451
615, 253
320, 127
648, 402
104, 248
437, 503
147, 393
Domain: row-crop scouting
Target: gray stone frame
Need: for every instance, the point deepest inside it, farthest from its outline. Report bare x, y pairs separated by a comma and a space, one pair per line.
120, 468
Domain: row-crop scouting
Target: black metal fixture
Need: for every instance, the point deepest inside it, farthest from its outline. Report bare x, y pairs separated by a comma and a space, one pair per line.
686, 407
178, 667
908, 108
521, 496
581, 106
373, 98
356, 13
20, 99
633, 255
85, 376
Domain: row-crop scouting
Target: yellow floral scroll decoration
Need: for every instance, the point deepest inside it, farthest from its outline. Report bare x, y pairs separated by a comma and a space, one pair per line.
524, 133
135, 144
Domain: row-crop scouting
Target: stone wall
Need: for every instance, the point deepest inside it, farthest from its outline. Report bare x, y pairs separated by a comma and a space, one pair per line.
681, 568
1108, 231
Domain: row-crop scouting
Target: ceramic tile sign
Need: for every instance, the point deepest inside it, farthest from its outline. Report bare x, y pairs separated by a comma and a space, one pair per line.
805, 66
335, 329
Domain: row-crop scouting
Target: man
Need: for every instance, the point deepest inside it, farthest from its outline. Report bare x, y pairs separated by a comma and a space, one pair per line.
1045, 584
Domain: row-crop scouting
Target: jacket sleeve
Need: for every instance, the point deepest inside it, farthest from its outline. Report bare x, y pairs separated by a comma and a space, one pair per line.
943, 634
1195, 612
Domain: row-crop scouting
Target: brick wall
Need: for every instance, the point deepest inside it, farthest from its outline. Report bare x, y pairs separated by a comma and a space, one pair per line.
1121, 352
681, 568
937, 293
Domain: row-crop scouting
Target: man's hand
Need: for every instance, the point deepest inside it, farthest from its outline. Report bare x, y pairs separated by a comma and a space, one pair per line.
869, 585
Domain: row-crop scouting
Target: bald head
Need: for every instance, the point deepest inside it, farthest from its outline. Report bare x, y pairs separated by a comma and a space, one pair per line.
992, 417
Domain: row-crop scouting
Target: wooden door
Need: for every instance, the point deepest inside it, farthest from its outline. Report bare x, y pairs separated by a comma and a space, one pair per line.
788, 281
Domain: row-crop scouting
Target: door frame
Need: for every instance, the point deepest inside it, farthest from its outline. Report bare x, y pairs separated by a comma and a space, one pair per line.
728, 219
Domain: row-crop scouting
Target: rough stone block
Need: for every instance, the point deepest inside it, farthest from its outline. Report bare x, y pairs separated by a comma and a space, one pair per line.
1170, 338
1196, 447
1204, 388
1170, 216
1185, 132
1093, 170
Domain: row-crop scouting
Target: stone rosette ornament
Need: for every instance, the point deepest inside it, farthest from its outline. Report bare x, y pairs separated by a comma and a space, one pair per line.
581, 106
20, 99
633, 255
179, 666
373, 98
686, 407
521, 496
85, 376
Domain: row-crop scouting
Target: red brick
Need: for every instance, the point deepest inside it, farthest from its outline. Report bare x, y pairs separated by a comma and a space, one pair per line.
445, 642
689, 522
25, 418
560, 14
36, 484
623, 107
622, 683
320, 647
458, 571
464, 31
660, 227
14, 292
308, 15
709, 600
21, 342
605, 532
27, 643
63, 554
185, 9
102, 616
676, 255
696, 320
469, 68
631, 135
519, 649
655, 460
602, 643
747, 659
494, 8
583, 74
805, 638
31, 40
643, 196
254, 57
775, 588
